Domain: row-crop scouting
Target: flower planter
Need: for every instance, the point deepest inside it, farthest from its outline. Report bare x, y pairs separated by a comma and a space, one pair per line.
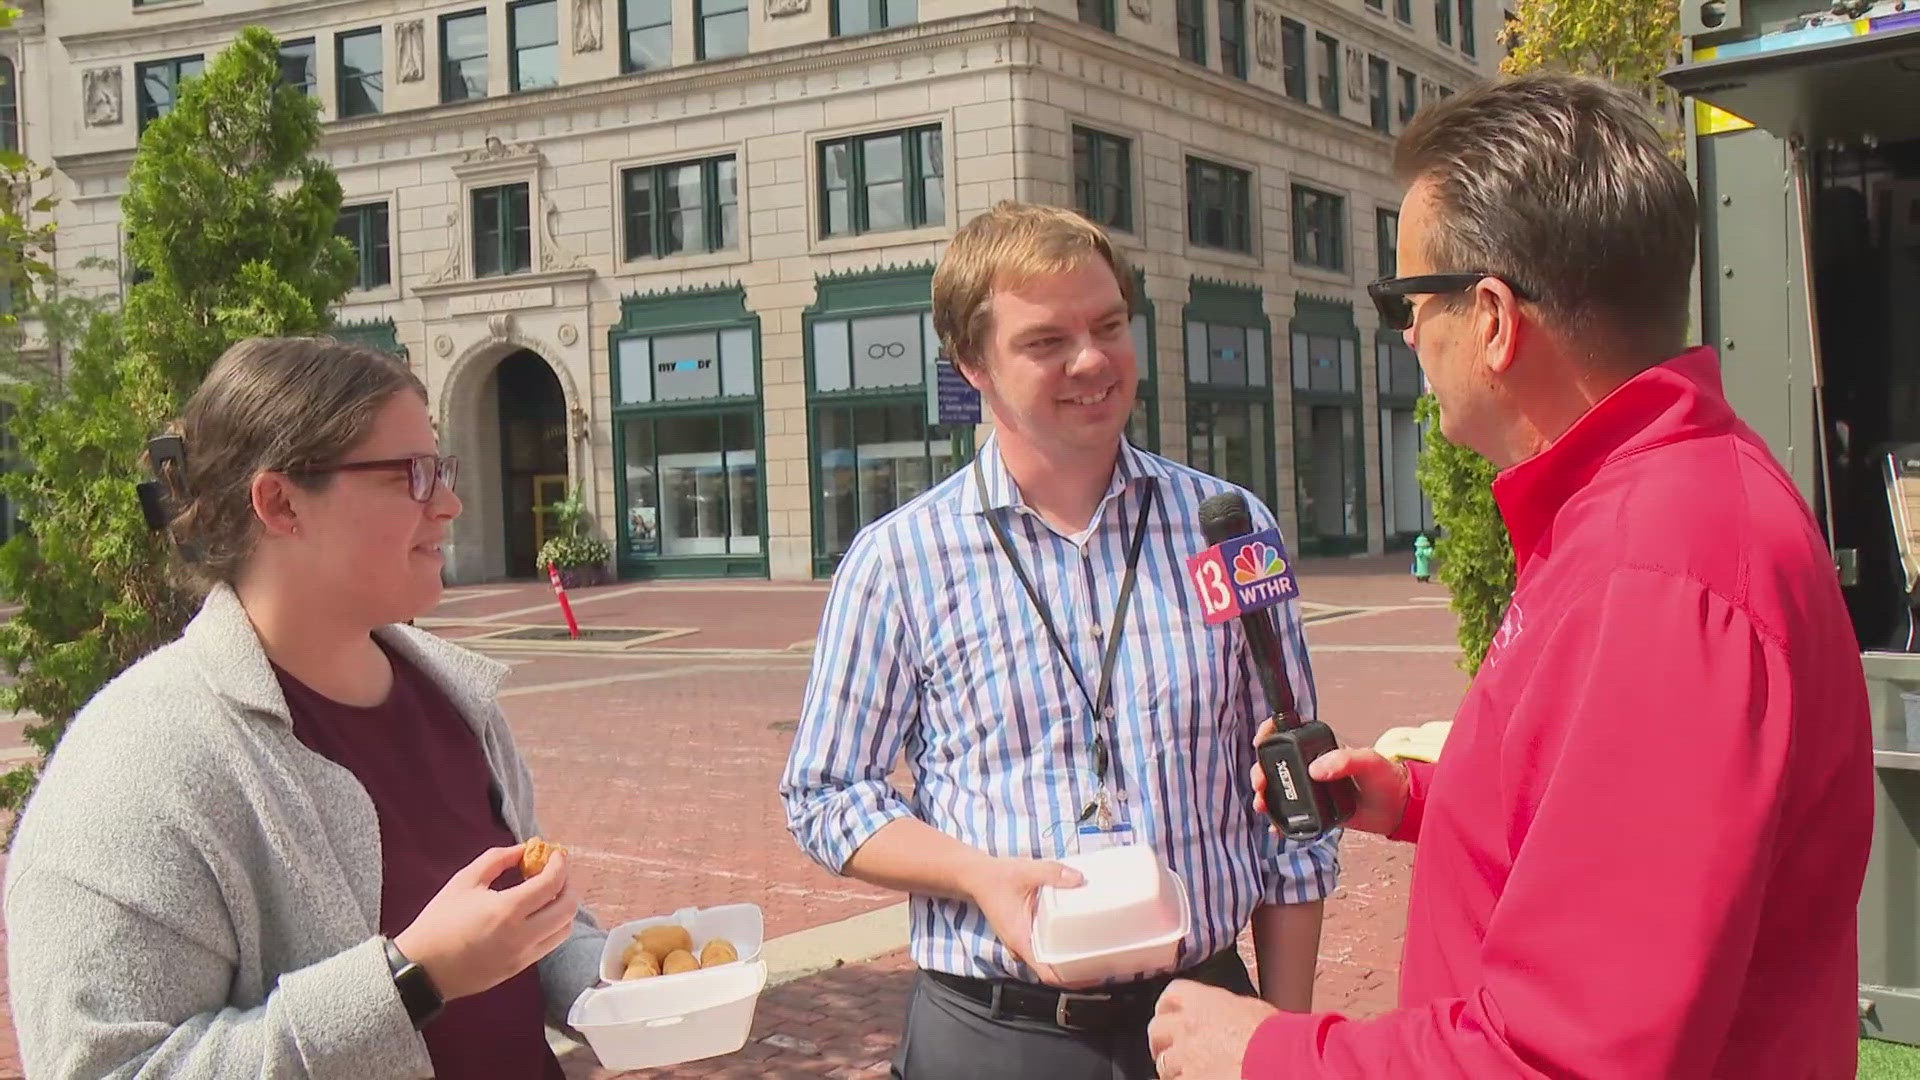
585, 576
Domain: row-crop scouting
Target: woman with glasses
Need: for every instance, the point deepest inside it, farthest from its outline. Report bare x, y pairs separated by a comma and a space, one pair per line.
289, 843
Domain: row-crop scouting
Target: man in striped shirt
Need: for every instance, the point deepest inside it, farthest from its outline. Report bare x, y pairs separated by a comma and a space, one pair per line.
974, 630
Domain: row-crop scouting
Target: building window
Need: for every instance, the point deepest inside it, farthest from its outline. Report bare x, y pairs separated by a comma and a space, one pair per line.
1380, 94
365, 227
1468, 43
688, 207
721, 29
299, 66
533, 44
687, 431
463, 56
1233, 37
1386, 229
158, 83
1098, 13
1443, 21
884, 182
502, 231
851, 17
1190, 27
9, 105
1319, 229
1329, 452
1403, 10
1229, 392
359, 65
1219, 206
1293, 58
1409, 96
1329, 74
1408, 512
646, 34
9, 462
1377, 5
870, 348
1103, 178
1143, 427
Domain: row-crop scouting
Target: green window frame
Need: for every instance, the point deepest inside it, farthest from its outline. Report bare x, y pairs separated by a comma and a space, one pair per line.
1219, 206
157, 84
1329, 73
720, 29
459, 81
1468, 43
1319, 229
533, 45
1400, 384
1403, 10
1190, 28
860, 172
360, 88
654, 198
1324, 352
1228, 359
1100, 13
851, 18
859, 395
1386, 238
1443, 21
9, 105
646, 35
1293, 59
1233, 37
502, 230
1143, 427
1409, 96
367, 228
1103, 177
1380, 94
720, 396
380, 335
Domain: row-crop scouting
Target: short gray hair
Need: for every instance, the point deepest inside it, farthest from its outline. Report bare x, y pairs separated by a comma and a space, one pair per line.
1563, 185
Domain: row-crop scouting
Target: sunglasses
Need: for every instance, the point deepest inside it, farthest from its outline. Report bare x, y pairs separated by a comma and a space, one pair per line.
1393, 297
426, 473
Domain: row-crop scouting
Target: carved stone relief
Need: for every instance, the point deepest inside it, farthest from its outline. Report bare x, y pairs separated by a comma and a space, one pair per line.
102, 86
497, 149
1266, 36
1356, 74
500, 325
1141, 9
552, 255
450, 270
778, 8
586, 26
410, 39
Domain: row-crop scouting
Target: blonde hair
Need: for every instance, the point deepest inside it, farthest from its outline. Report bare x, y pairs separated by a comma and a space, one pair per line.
269, 405
1005, 248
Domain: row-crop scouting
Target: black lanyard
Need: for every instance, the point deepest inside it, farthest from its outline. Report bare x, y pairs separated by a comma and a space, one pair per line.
1100, 700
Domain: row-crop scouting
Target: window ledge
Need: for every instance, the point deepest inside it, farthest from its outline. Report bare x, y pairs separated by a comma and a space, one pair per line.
166, 5
697, 261
503, 283
384, 294
1224, 255
1316, 273
891, 238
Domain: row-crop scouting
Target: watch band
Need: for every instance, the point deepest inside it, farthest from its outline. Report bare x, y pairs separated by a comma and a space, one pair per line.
417, 992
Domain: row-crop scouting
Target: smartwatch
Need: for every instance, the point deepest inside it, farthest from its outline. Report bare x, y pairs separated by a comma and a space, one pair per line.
417, 991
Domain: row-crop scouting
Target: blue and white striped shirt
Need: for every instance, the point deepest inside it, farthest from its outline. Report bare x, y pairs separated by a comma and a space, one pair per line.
929, 645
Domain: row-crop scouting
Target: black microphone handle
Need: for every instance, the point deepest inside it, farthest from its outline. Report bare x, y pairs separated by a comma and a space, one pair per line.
1270, 668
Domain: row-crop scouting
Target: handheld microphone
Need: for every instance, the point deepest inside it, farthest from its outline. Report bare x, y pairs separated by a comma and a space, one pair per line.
1241, 575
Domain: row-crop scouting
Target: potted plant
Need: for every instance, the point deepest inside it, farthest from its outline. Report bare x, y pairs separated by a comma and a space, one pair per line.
581, 557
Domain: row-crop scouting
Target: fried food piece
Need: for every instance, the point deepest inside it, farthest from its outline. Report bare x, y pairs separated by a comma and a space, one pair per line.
679, 961
665, 939
643, 966
718, 951
534, 856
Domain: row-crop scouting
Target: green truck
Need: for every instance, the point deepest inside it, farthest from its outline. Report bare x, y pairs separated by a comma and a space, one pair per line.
1804, 138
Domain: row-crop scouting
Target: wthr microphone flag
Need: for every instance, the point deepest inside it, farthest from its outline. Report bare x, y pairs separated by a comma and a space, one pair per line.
1244, 574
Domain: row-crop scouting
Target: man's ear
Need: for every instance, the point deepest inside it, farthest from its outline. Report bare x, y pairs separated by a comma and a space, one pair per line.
973, 372
1496, 323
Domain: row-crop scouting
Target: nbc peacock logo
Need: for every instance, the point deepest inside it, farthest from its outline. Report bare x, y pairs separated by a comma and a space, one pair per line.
1257, 562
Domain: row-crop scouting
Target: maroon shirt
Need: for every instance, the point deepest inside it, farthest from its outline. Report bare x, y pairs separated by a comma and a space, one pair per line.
422, 765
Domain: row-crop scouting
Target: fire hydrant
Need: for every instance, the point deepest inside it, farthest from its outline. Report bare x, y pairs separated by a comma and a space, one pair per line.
1423, 558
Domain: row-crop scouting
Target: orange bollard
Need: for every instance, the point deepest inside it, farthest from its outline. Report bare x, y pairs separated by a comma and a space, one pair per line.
573, 627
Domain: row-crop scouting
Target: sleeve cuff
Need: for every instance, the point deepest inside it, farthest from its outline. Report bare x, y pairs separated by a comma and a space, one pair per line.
345, 1012
1419, 777
851, 829
1285, 1047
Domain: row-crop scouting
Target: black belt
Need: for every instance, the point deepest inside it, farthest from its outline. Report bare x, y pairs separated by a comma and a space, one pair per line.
1125, 1004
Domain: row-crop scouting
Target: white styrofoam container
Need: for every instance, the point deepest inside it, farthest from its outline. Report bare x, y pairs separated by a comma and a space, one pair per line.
670, 1019
1126, 922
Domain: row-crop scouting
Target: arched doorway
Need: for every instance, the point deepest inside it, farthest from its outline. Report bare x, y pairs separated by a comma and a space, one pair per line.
532, 416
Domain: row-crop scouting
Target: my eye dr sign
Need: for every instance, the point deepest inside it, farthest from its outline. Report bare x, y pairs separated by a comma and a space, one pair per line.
1246, 573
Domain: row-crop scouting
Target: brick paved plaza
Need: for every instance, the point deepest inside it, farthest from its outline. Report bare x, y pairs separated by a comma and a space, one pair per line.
656, 748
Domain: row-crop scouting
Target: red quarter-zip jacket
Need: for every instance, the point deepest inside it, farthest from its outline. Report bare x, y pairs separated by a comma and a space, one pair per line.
1641, 852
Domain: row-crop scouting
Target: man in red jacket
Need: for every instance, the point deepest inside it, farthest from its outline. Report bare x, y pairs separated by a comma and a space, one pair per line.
1641, 852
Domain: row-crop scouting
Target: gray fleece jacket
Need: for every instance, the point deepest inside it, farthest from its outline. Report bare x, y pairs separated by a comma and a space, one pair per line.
194, 893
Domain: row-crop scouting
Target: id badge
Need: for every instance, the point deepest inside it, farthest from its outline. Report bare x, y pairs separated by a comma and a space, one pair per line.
1095, 837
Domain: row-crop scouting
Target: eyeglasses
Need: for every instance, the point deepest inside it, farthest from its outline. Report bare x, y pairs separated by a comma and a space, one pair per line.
426, 473
1393, 297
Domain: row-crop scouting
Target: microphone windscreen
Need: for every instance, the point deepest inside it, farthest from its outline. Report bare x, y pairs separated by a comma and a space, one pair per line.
1225, 516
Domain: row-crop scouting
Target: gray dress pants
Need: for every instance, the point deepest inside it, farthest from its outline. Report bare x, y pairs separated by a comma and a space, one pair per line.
950, 1036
